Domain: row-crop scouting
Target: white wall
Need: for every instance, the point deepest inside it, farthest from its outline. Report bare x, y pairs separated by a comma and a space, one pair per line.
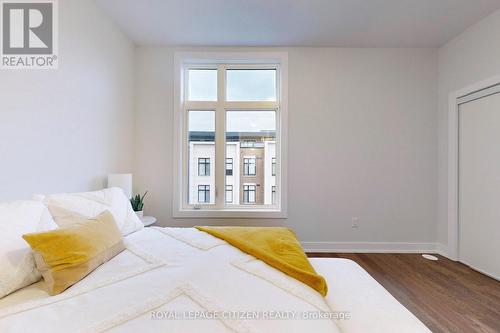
269, 179
233, 151
64, 130
362, 142
201, 150
469, 58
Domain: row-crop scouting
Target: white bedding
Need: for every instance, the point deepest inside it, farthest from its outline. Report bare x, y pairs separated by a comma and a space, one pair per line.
185, 273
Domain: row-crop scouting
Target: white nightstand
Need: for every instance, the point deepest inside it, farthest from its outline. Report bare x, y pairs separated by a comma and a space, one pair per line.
148, 220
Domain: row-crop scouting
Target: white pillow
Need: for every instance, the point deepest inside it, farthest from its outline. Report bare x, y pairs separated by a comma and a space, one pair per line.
64, 207
17, 266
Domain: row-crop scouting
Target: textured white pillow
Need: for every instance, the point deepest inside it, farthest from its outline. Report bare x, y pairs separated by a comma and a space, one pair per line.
90, 204
17, 266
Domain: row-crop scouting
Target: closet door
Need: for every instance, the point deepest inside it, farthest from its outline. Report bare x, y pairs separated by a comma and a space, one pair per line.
479, 184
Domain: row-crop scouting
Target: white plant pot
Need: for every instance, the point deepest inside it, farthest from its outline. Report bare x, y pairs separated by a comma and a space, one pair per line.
140, 214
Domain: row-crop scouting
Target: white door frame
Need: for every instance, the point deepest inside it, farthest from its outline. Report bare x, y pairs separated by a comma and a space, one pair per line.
455, 99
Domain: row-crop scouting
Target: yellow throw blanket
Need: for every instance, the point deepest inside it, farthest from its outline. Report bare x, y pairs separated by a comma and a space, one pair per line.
277, 247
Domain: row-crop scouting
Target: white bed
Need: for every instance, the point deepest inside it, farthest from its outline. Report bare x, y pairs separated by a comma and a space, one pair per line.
185, 273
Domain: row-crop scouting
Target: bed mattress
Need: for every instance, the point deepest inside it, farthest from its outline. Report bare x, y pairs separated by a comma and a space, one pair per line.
184, 280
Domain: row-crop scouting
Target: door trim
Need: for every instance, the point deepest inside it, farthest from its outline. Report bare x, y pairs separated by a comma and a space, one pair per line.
477, 90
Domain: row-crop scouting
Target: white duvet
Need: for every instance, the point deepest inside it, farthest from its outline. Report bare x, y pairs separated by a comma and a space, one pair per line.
184, 280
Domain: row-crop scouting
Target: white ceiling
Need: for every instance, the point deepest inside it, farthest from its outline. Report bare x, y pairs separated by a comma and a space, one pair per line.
354, 23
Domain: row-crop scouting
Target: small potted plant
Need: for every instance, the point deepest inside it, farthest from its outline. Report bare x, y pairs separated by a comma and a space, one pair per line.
137, 202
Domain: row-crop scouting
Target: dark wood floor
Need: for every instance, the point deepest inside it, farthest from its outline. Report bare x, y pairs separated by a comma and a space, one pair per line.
445, 295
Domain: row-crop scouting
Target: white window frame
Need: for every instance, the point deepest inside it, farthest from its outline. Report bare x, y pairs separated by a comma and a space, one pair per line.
182, 62
273, 193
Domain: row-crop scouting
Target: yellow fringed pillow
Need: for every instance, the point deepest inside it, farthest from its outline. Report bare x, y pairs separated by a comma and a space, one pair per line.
65, 256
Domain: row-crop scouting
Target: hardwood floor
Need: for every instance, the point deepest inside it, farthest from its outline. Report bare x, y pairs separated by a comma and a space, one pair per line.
445, 295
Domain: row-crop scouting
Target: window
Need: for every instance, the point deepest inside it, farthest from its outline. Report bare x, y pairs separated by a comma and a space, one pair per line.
229, 133
273, 195
229, 193
203, 193
251, 84
249, 168
203, 167
200, 153
229, 166
249, 193
202, 84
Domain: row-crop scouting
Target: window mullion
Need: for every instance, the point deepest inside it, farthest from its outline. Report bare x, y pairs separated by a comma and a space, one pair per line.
220, 124
252, 105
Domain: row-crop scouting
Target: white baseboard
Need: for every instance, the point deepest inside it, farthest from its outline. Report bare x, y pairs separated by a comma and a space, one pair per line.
373, 247
474, 267
443, 250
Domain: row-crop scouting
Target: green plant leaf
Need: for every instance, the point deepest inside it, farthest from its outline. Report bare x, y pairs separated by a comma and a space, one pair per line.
137, 202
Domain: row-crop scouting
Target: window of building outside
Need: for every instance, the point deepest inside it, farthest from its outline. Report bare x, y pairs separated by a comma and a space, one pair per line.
229, 166
203, 193
203, 167
249, 167
249, 193
229, 193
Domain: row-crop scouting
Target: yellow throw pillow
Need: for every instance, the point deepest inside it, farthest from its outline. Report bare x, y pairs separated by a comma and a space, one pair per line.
65, 256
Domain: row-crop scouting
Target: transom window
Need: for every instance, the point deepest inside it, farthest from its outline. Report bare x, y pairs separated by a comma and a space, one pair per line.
230, 120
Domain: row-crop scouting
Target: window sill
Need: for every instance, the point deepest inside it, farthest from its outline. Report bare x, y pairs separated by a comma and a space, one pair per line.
231, 213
